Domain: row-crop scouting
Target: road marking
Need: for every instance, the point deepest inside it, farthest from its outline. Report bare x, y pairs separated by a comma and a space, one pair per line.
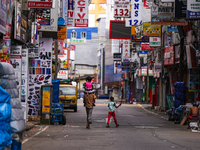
34, 135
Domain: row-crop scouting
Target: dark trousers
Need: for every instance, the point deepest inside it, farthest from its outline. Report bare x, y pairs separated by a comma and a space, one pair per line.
89, 114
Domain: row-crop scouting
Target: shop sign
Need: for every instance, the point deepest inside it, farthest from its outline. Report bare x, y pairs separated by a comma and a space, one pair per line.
43, 16
81, 13
151, 30
121, 8
115, 46
17, 27
128, 22
165, 16
135, 38
62, 32
136, 8
24, 26
143, 72
3, 8
180, 8
125, 65
70, 14
146, 47
142, 53
63, 74
76, 41
40, 3
5, 50
157, 67
177, 54
126, 49
154, 41
168, 56
64, 59
193, 9
117, 56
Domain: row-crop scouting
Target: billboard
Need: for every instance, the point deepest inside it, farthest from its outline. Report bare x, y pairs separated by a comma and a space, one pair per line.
151, 30
118, 30
165, 16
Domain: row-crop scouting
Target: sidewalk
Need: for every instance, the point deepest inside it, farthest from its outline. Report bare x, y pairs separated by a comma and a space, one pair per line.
30, 124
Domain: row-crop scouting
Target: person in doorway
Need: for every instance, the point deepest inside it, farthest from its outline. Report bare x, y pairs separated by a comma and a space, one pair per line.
112, 105
89, 102
194, 113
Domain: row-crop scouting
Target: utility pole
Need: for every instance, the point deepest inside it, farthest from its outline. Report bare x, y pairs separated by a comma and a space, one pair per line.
181, 60
56, 58
147, 95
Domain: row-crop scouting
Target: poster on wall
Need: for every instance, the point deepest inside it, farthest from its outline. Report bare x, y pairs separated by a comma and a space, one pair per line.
168, 56
17, 27
64, 59
81, 13
5, 50
43, 16
3, 14
40, 70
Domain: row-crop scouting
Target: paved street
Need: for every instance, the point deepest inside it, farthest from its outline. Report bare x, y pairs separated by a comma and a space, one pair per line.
139, 130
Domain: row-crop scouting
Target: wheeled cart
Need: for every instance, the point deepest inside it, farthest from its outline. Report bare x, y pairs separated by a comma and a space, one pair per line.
57, 115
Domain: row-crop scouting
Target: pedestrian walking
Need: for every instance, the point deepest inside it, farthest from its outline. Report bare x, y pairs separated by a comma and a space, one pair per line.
112, 105
89, 102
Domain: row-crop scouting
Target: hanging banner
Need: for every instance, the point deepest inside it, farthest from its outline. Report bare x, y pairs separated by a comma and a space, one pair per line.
40, 3
165, 16
134, 36
193, 9
168, 56
126, 49
17, 27
136, 8
121, 8
70, 14
3, 16
81, 13
157, 67
64, 59
151, 30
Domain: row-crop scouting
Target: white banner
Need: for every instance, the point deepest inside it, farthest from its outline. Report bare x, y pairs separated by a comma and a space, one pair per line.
126, 49
115, 46
81, 13
121, 8
136, 10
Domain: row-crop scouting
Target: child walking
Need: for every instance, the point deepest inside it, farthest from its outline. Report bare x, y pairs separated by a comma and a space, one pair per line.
112, 105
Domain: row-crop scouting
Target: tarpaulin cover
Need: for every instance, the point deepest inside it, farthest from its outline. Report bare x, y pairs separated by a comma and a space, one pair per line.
56, 84
180, 97
5, 117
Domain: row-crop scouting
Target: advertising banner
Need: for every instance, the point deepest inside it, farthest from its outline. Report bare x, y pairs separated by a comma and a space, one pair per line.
154, 41
3, 16
143, 72
5, 50
142, 53
121, 8
63, 74
193, 9
64, 59
135, 38
17, 27
126, 49
165, 16
146, 47
43, 16
157, 67
40, 3
168, 56
136, 12
62, 32
81, 13
115, 46
70, 14
9, 19
151, 30
24, 25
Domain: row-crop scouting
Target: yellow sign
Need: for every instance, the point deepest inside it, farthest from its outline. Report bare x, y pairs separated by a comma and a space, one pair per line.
46, 101
62, 33
151, 30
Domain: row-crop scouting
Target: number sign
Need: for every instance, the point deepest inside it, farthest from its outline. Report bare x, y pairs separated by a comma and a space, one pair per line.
121, 8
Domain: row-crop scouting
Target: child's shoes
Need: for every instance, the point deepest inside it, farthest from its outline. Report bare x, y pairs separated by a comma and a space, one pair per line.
117, 125
107, 126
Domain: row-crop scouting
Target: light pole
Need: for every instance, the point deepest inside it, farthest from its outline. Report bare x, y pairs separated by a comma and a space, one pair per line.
79, 82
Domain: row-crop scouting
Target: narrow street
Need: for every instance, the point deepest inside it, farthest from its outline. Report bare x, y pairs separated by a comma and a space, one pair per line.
139, 130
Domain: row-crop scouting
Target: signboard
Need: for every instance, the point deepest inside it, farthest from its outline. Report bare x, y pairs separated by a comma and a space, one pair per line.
3, 8
81, 13
125, 66
115, 46
136, 12
154, 41
168, 56
193, 9
40, 3
5, 50
64, 59
157, 67
180, 8
70, 14
118, 30
142, 53
134, 36
46, 99
126, 49
165, 16
146, 47
117, 56
24, 26
121, 8
151, 30
60, 47
62, 32
143, 72
76, 41
17, 26
43, 16
128, 22
63, 74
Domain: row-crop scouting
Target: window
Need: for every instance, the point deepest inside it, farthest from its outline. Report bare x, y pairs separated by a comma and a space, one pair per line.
73, 35
83, 35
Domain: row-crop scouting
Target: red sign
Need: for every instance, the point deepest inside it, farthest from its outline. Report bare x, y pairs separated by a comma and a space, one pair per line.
146, 47
39, 4
169, 56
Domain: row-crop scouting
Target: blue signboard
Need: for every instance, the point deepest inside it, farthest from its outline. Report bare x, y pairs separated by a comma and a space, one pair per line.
143, 39
193, 10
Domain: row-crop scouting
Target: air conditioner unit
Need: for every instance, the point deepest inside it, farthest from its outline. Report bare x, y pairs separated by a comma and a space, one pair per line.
175, 38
